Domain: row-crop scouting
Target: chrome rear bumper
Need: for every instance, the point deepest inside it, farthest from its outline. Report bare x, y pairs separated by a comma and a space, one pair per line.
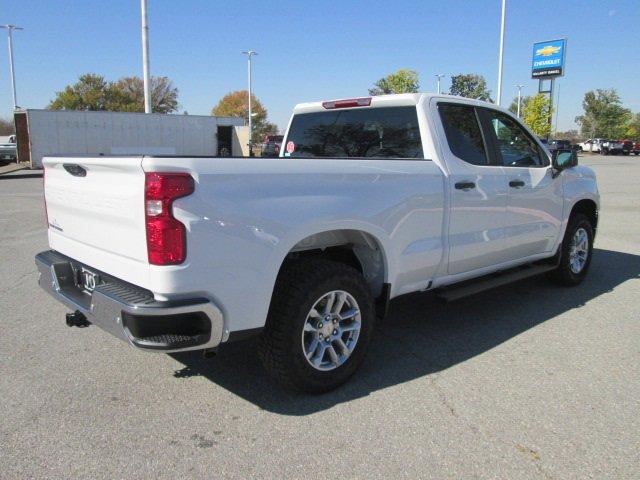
131, 313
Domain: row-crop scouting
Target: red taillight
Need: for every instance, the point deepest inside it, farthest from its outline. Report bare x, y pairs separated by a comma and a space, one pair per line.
166, 236
347, 103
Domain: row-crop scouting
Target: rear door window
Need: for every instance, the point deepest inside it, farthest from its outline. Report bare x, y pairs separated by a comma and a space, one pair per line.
383, 132
463, 133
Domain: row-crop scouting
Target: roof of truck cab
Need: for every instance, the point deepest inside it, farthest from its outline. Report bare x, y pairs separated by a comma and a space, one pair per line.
393, 100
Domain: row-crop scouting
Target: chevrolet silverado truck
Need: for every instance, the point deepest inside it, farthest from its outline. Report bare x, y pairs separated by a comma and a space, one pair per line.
371, 198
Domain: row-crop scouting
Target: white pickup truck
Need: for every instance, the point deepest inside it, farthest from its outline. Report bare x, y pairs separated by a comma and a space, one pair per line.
370, 199
593, 145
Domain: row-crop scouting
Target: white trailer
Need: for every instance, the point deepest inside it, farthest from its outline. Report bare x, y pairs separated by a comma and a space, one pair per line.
42, 133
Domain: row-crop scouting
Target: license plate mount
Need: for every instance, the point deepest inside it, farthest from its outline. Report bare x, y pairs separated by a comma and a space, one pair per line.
88, 280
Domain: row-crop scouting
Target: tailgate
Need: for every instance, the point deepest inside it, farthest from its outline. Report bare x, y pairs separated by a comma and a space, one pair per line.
95, 210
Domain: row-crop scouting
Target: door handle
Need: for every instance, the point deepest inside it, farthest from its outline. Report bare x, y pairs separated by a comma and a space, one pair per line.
465, 185
516, 183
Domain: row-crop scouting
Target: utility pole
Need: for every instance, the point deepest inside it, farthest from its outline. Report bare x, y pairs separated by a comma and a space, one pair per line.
145, 58
439, 76
249, 54
519, 87
10, 28
504, 13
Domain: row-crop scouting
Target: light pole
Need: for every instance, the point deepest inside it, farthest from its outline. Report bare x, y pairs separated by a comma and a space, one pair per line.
145, 58
249, 54
10, 29
438, 77
504, 13
519, 87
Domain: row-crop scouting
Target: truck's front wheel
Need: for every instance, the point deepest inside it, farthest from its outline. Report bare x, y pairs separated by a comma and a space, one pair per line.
575, 256
319, 325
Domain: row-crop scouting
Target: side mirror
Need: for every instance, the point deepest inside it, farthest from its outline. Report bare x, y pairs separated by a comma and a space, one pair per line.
563, 159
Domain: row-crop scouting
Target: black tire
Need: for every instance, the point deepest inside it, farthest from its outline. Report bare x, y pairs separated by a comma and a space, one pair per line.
300, 284
563, 275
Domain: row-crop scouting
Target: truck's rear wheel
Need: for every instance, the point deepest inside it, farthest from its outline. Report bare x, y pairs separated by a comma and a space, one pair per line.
577, 248
319, 325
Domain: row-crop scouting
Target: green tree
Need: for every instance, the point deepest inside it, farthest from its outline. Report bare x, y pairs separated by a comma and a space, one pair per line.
235, 104
93, 92
513, 108
6, 127
90, 92
633, 128
403, 81
604, 116
471, 86
164, 95
536, 115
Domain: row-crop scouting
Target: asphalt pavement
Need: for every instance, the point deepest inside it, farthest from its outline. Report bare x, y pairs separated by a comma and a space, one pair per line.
527, 381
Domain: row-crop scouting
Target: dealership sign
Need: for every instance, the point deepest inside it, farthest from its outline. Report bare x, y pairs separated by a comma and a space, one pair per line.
548, 59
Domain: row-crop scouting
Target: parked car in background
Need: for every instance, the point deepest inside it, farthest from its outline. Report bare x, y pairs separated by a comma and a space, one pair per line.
271, 145
636, 148
8, 150
591, 145
611, 147
554, 145
373, 198
627, 147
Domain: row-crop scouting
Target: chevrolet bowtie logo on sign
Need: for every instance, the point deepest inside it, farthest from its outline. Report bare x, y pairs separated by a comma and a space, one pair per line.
548, 50
548, 59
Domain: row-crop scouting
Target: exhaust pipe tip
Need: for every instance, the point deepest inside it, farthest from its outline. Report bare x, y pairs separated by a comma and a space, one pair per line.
77, 319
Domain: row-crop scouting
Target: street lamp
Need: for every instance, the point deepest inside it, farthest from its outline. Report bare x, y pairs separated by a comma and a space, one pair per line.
502, 21
10, 29
438, 77
519, 87
145, 58
250, 54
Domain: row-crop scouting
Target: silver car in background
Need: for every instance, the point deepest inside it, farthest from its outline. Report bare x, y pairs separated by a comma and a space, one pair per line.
8, 150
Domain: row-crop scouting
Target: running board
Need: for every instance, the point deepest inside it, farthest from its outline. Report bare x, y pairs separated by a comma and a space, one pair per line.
472, 287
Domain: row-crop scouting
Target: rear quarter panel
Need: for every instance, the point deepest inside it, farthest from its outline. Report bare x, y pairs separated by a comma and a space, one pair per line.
247, 214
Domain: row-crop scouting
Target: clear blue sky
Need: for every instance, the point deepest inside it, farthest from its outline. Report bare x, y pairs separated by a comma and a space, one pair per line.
313, 50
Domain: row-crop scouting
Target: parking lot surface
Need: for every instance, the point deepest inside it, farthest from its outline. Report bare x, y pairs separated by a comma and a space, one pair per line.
527, 381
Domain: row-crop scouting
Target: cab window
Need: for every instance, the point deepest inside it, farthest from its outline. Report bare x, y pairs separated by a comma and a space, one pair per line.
463, 133
515, 147
383, 132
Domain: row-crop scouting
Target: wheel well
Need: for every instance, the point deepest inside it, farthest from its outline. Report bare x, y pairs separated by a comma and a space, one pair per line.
355, 248
588, 208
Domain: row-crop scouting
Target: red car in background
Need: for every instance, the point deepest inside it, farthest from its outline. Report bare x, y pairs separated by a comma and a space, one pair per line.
636, 148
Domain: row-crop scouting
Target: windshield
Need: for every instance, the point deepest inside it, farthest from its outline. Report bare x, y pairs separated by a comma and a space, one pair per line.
389, 132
